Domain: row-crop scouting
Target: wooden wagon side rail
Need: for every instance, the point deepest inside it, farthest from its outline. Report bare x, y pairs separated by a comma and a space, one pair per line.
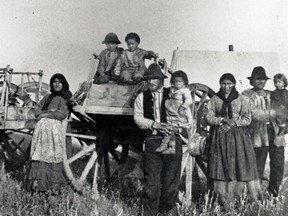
108, 110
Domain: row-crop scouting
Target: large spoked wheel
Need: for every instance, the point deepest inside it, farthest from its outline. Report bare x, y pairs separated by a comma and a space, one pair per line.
80, 161
201, 94
108, 149
15, 147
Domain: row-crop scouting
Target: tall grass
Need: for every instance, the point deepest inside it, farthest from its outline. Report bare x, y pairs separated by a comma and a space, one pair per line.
14, 200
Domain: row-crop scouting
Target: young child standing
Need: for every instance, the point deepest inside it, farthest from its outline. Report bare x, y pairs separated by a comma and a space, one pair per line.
279, 102
107, 59
178, 112
131, 64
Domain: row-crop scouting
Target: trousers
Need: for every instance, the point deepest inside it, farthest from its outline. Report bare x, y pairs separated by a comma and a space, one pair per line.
277, 161
161, 178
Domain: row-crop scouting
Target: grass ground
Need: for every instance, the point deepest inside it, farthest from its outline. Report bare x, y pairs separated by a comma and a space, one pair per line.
14, 200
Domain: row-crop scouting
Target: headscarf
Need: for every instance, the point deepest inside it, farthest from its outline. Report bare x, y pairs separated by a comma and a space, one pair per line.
65, 93
226, 109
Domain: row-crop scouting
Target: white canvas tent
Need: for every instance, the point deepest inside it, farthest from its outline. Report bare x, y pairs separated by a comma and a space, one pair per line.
206, 67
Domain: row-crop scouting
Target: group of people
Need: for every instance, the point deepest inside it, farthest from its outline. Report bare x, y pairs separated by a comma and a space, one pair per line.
119, 65
243, 129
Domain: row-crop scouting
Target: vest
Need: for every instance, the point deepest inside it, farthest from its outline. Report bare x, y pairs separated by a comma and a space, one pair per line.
148, 105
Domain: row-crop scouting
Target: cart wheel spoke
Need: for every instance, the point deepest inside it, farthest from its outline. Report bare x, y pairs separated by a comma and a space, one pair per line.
82, 143
95, 185
88, 167
203, 98
115, 156
198, 94
82, 153
184, 161
16, 146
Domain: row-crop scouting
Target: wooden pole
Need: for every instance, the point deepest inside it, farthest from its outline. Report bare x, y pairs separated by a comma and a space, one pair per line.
7, 82
189, 169
95, 192
93, 69
3, 90
22, 80
40, 86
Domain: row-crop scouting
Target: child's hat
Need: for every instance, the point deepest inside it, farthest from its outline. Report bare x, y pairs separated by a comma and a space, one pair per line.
153, 72
111, 38
258, 73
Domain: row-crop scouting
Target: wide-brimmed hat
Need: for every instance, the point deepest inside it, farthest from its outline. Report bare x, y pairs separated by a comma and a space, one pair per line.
111, 38
153, 72
258, 73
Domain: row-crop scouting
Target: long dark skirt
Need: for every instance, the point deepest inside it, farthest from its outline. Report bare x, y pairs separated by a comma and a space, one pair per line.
231, 156
44, 177
232, 165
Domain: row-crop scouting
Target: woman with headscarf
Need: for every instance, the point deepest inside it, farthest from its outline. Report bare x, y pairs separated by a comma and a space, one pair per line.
231, 163
47, 146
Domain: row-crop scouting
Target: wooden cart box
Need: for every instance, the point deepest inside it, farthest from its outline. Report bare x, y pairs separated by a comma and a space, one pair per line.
110, 98
18, 117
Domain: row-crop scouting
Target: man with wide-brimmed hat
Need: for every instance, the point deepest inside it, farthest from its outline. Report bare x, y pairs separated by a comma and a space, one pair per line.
162, 172
263, 130
107, 59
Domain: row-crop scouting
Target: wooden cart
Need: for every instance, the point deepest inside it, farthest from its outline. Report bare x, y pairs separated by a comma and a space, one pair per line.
105, 130
17, 120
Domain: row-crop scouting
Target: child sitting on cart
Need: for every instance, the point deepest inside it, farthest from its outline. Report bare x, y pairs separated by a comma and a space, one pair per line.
178, 111
107, 59
131, 64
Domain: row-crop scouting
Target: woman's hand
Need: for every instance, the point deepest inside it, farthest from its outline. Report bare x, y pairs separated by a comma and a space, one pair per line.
224, 128
230, 122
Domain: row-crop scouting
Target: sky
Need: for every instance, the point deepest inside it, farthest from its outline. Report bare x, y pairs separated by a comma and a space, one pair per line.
60, 36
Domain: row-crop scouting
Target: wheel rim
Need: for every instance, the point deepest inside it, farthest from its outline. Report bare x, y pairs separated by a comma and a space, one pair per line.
200, 94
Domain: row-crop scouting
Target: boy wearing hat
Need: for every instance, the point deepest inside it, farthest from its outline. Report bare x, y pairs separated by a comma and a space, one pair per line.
161, 172
107, 59
263, 130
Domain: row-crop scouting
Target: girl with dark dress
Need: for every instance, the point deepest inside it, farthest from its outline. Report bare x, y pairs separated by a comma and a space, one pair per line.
48, 141
231, 164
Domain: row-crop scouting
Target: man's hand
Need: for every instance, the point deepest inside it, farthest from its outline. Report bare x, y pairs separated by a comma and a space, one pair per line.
162, 128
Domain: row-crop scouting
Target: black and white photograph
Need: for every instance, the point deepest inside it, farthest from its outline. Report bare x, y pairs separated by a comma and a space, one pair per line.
143, 107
